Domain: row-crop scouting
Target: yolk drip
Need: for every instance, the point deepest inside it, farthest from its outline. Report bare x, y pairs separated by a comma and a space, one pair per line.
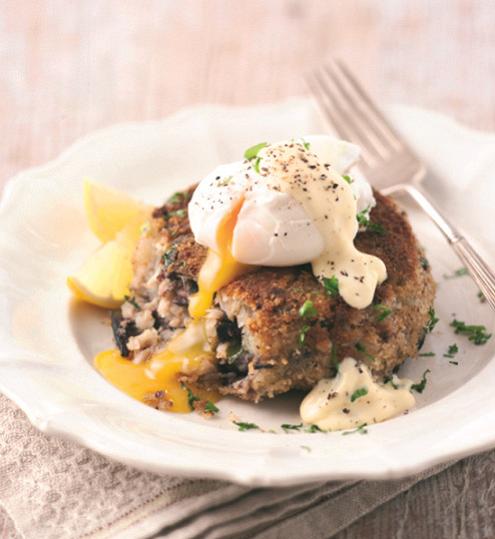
185, 352
219, 268
161, 372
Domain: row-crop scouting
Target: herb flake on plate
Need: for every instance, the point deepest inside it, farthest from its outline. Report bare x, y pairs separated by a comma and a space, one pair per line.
432, 321
191, 397
359, 430
452, 351
287, 427
243, 426
477, 334
211, 408
461, 272
314, 428
420, 386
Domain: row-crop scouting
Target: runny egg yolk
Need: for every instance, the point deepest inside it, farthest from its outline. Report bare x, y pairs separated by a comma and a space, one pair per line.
219, 268
160, 374
186, 351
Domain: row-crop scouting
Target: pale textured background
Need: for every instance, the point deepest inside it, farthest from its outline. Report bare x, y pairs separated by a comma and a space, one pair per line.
68, 67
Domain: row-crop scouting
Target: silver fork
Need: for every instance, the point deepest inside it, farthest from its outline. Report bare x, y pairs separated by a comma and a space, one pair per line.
387, 162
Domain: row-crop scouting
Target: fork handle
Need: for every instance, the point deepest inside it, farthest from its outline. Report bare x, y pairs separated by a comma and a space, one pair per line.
479, 270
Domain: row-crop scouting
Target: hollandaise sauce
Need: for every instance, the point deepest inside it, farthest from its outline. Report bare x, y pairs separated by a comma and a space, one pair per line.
354, 398
326, 197
160, 375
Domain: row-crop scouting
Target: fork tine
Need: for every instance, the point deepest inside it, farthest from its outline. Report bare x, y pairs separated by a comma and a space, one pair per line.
361, 110
355, 112
381, 123
334, 112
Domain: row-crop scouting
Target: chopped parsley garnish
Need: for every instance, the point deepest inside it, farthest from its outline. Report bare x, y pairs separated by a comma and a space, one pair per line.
452, 351
302, 333
461, 272
257, 164
314, 428
177, 213
420, 386
476, 334
390, 380
377, 228
361, 348
481, 297
331, 285
421, 339
454, 362
432, 322
211, 408
361, 392
288, 427
175, 198
348, 179
133, 302
424, 263
169, 256
383, 311
191, 397
308, 310
427, 354
306, 145
245, 426
252, 152
361, 430
363, 218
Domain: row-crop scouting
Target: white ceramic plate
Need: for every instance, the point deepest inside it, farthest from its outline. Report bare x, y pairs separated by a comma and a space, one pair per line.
47, 340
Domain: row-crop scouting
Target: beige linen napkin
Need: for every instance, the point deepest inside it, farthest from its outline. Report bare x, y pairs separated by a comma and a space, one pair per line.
55, 489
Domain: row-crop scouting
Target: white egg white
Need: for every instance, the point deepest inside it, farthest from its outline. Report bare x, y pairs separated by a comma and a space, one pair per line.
272, 228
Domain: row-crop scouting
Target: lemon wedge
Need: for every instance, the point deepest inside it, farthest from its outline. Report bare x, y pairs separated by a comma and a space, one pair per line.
104, 278
108, 211
116, 219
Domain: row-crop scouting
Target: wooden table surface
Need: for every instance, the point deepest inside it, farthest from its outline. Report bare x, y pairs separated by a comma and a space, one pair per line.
69, 67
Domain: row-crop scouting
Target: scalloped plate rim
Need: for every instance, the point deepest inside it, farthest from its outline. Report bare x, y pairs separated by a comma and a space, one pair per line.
254, 477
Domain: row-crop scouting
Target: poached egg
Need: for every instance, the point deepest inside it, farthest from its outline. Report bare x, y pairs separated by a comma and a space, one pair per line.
257, 212
285, 204
272, 228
